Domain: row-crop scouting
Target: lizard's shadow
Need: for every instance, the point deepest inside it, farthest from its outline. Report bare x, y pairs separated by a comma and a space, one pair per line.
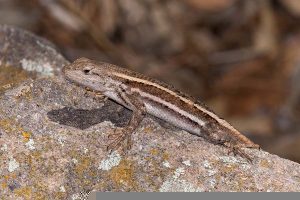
83, 118
110, 111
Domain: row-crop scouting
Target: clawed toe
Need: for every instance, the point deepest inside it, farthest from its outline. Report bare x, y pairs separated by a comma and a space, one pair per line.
117, 137
240, 152
115, 143
116, 134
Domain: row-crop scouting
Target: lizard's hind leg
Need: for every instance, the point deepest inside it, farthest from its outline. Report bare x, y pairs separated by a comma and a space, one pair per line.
138, 113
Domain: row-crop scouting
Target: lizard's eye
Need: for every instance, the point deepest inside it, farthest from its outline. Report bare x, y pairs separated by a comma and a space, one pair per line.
86, 70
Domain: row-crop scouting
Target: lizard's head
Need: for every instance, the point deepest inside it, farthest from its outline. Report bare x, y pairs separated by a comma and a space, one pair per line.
88, 73
81, 65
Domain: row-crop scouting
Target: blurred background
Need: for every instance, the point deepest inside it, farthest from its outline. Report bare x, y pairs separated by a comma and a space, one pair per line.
241, 57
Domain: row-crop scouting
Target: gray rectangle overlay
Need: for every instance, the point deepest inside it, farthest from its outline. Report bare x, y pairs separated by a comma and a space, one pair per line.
194, 196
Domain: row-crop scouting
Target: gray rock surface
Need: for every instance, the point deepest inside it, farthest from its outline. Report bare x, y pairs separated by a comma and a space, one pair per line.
53, 139
20, 48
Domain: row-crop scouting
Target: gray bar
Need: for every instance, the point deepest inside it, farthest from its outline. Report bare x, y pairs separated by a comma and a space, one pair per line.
93, 196
195, 196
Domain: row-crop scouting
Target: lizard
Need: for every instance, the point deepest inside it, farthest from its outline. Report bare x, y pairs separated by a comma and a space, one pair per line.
145, 95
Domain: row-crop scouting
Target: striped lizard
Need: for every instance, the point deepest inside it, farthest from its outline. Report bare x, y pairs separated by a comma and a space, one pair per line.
143, 94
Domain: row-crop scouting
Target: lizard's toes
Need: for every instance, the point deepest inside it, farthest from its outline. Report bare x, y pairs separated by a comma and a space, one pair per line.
116, 134
129, 142
115, 143
118, 137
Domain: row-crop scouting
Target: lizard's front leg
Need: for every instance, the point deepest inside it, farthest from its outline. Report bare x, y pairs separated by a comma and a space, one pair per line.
138, 112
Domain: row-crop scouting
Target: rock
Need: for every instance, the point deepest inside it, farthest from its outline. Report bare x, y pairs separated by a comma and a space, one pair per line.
20, 48
53, 140
54, 136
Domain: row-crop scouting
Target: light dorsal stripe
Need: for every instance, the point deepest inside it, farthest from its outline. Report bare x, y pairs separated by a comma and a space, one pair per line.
212, 115
170, 106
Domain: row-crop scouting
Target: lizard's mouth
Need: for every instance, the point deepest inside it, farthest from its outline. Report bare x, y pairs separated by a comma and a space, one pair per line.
72, 76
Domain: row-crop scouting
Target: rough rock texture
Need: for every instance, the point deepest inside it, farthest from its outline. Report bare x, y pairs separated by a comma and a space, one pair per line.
53, 144
23, 49
53, 139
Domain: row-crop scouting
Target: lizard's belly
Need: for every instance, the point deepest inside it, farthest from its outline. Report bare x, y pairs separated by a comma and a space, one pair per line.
174, 117
168, 113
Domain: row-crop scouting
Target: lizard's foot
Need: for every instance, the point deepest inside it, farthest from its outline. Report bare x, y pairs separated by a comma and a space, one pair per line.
253, 146
117, 137
220, 142
238, 151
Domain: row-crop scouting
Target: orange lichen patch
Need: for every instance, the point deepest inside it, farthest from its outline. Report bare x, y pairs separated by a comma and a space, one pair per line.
26, 136
123, 174
229, 168
10, 176
3, 185
243, 182
83, 165
154, 152
265, 164
6, 125
60, 195
25, 192
148, 130
32, 159
11, 76
147, 158
7, 86
10, 126
40, 196
85, 170
165, 156
6, 177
